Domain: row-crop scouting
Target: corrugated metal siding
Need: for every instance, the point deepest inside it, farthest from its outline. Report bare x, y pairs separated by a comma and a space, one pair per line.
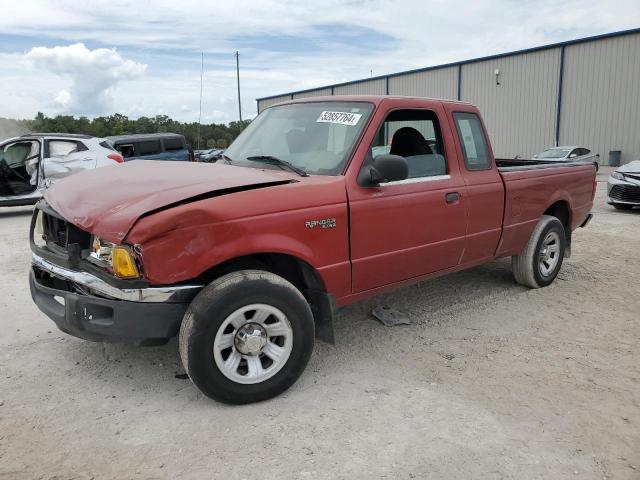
267, 102
313, 93
440, 83
519, 113
601, 97
367, 87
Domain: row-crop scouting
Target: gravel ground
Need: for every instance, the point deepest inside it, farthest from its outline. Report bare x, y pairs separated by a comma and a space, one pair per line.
491, 380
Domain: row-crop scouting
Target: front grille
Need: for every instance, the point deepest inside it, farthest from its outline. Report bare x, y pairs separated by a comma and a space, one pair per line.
62, 233
625, 193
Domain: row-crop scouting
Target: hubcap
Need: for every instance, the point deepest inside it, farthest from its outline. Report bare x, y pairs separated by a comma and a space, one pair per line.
250, 338
549, 253
253, 343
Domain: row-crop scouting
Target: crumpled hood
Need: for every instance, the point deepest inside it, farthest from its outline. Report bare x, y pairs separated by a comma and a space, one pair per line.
108, 201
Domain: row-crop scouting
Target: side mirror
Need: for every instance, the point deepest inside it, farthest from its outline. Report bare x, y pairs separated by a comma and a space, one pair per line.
388, 168
573, 155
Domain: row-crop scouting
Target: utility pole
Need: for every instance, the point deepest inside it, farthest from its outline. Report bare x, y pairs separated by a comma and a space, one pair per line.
200, 114
238, 77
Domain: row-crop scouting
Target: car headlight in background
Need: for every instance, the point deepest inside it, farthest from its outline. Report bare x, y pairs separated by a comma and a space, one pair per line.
617, 176
39, 237
118, 258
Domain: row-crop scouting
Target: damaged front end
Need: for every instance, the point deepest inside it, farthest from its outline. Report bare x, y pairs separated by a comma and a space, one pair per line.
99, 295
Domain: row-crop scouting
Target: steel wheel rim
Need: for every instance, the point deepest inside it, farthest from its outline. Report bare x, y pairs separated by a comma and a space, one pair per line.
549, 254
253, 343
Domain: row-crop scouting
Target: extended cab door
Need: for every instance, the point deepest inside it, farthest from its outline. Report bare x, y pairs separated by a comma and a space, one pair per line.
483, 184
409, 228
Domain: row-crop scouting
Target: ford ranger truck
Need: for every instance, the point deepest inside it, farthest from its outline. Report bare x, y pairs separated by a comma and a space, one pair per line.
319, 203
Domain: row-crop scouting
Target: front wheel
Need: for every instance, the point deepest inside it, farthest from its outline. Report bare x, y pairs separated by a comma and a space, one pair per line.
246, 337
540, 261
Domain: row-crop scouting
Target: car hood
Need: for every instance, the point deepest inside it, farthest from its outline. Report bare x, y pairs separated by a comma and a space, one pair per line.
108, 201
631, 167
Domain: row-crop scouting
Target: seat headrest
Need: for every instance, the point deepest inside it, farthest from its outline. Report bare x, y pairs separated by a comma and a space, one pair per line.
407, 141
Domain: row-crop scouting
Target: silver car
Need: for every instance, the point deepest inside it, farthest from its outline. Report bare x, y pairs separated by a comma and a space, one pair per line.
28, 164
623, 186
569, 154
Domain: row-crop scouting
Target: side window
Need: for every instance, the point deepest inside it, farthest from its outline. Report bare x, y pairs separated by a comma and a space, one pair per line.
414, 135
150, 147
61, 148
474, 146
173, 144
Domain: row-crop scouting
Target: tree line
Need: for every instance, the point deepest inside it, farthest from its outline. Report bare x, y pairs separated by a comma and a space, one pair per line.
199, 136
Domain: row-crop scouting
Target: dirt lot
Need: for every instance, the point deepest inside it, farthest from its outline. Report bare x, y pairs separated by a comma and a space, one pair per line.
491, 380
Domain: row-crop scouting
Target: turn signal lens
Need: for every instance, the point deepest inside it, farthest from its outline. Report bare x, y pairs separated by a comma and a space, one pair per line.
123, 263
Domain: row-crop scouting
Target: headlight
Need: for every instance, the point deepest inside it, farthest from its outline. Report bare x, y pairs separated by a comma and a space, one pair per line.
118, 258
617, 176
101, 250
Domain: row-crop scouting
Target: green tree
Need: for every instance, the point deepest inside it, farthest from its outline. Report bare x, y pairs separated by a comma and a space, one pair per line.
214, 134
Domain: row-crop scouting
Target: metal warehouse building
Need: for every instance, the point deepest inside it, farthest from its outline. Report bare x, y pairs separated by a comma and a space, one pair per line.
582, 92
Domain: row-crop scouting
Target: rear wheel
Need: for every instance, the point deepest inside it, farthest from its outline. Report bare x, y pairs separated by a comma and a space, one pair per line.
622, 206
246, 337
540, 261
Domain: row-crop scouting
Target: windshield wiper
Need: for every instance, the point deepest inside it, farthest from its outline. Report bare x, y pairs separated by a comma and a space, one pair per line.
225, 158
278, 161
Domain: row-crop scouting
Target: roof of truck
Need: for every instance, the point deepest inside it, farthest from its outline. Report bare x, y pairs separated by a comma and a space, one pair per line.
142, 136
375, 99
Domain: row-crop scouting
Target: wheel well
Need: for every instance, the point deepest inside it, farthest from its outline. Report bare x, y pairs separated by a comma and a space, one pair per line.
298, 272
561, 211
302, 275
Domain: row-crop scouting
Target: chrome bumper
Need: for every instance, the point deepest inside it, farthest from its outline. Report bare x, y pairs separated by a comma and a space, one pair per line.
176, 294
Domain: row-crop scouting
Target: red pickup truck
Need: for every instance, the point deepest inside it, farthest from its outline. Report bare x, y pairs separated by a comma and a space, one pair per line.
318, 203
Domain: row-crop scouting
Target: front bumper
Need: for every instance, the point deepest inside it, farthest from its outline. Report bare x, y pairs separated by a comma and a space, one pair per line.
623, 192
77, 305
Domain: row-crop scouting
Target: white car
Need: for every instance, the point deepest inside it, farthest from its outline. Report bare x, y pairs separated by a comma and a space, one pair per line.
569, 154
623, 186
28, 164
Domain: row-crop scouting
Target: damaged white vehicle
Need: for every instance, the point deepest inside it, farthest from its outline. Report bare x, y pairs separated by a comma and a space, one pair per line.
28, 164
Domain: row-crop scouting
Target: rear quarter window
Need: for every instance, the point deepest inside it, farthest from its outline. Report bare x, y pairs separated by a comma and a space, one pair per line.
472, 141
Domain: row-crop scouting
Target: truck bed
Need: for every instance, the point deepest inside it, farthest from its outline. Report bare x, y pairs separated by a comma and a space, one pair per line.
515, 164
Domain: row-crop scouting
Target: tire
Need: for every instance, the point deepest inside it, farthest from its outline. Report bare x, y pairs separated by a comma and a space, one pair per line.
528, 268
213, 337
622, 206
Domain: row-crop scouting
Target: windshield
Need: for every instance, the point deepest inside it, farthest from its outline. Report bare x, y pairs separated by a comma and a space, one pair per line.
554, 153
315, 137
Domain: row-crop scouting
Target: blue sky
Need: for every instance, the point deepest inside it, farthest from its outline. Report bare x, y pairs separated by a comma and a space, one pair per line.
143, 57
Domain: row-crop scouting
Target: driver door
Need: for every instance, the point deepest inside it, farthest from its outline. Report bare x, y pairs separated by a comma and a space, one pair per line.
409, 228
19, 168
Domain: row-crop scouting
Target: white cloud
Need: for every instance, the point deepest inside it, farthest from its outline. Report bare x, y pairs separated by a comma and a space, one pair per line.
93, 75
168, 36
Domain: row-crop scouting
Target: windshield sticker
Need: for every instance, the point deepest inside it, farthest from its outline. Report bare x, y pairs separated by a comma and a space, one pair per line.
341, 118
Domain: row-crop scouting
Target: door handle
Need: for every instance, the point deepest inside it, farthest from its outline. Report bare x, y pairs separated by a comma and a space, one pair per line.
452, 197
